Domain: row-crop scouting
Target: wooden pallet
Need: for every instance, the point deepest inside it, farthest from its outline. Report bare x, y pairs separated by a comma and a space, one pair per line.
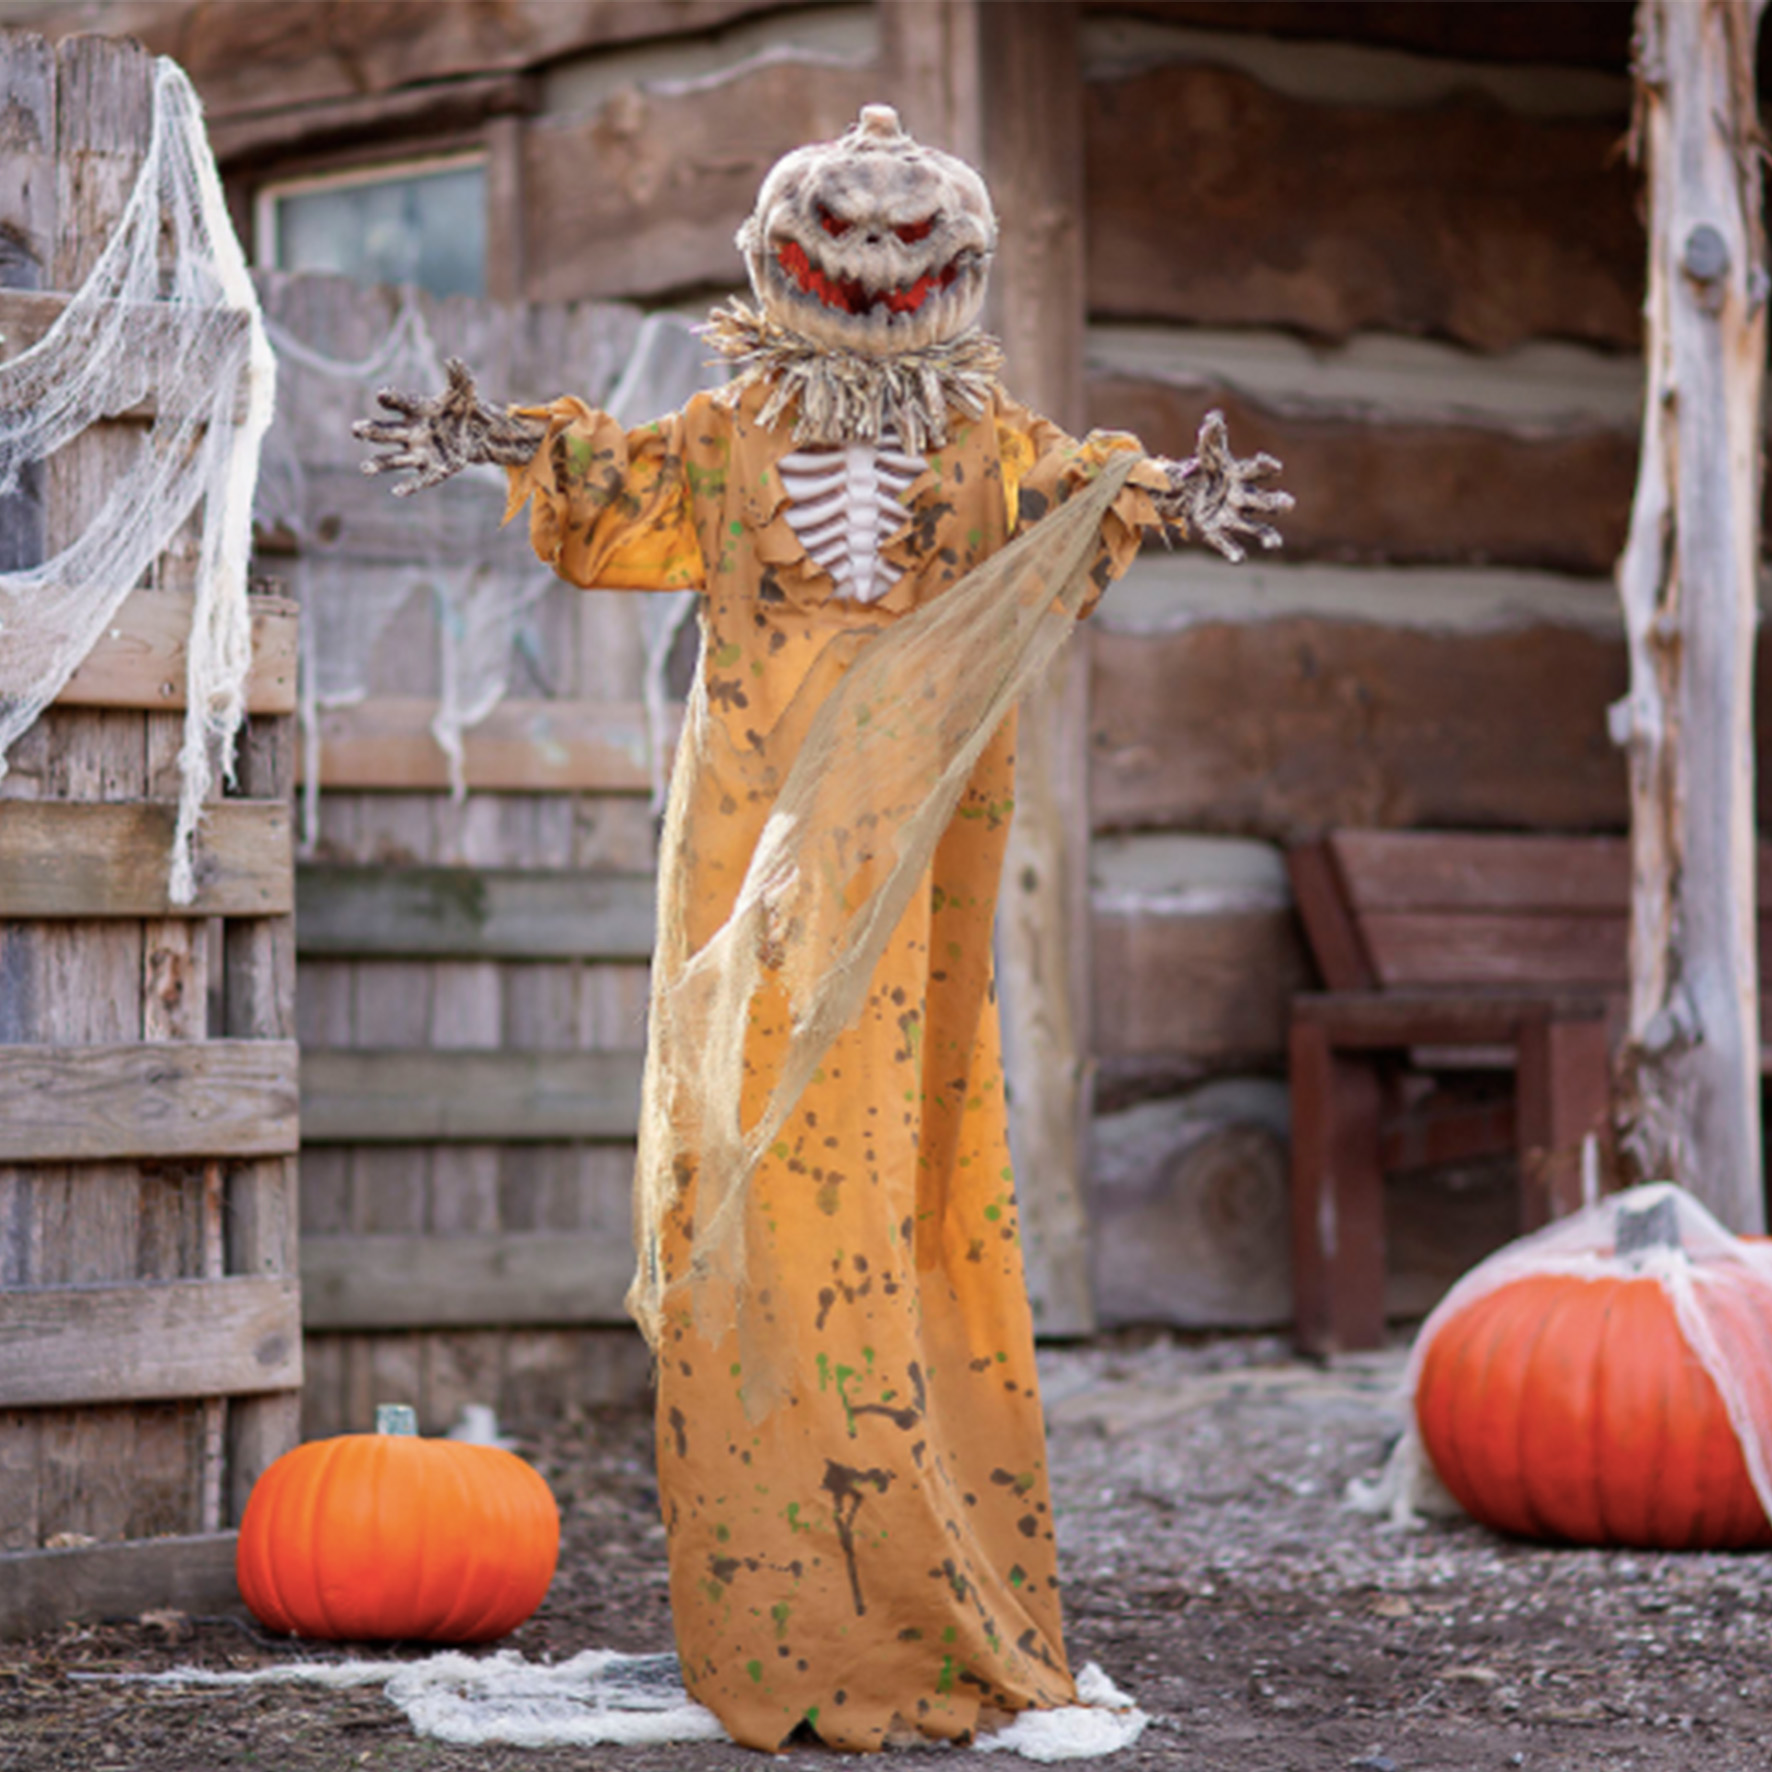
150, 1342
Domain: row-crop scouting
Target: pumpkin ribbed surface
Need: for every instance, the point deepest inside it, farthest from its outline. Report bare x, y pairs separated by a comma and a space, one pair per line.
374, 1536
1570, 1408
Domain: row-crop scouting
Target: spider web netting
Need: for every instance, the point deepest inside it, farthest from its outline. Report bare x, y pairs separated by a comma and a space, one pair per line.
894, 722
1719, 1285
167, 318
361, 555
600, 1696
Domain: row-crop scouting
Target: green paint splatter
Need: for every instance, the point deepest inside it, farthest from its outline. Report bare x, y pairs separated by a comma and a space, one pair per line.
755, 1670
779, 1612
944, 1681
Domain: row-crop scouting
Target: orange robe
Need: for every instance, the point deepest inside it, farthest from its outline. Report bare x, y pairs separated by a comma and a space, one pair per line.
878, 1547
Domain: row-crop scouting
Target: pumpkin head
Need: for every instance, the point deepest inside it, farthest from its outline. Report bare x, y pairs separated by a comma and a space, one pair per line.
1570, 1407
872, 243
378, 1536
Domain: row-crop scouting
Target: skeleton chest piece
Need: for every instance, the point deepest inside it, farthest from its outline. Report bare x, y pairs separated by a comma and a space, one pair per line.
843, 507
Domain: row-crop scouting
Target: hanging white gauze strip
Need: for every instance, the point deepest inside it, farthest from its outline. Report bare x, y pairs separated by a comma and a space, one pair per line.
167, 317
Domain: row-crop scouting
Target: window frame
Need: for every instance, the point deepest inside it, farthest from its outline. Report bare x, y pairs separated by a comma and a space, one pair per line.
266, 233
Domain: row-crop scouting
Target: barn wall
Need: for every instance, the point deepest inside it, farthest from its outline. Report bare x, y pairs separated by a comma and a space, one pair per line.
1395, 244
1415, 278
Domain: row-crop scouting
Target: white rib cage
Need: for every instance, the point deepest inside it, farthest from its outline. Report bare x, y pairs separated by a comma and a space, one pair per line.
843, 506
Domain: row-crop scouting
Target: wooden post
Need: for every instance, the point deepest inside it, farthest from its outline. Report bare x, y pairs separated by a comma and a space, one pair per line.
1032, 106
1690, 1099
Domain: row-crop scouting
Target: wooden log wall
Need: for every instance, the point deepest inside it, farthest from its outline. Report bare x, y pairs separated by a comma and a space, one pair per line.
1410, 267
150, 1345
1416, 278
472, 974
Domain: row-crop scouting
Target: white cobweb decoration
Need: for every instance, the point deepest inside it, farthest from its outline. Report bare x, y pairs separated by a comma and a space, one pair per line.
1699, 1266
167, 316
361, 553
600, 1697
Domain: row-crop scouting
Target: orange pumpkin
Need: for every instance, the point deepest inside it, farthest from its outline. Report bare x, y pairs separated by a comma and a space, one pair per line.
386, 1535
1572, 1408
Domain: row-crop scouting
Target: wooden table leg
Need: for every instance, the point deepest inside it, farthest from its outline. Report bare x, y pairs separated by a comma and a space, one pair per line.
1337, 1197
1564, 1093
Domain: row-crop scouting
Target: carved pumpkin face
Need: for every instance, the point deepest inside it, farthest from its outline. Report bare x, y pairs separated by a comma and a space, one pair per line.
872, 243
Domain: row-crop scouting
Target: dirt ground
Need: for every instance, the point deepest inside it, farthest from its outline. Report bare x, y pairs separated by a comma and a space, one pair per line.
1211, 1568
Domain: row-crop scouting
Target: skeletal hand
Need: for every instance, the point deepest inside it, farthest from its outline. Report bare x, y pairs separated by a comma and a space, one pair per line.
1214, 498
440, 437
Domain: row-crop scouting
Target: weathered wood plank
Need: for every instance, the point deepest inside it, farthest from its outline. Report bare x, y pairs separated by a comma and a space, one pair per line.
197, 1098
596, 224
386, 743
474, 913
1290, 727
261, 1220
380, 1097
67, 859
461, 1282
72, 983
139, 661
40, 1591
1461, 221
114, 1344
1408, 493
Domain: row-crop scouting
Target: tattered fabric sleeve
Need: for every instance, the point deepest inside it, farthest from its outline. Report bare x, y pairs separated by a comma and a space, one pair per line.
1042, 467
609, 508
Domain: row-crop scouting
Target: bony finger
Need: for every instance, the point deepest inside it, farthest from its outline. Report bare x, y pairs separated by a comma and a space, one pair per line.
1261, 463
382, 430
1254, 499
395, 401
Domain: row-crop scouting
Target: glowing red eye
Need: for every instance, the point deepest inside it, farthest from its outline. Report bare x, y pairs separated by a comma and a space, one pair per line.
833, 225
912, 232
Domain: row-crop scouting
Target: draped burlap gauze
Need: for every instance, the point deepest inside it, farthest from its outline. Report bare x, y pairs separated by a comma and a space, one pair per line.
894, 722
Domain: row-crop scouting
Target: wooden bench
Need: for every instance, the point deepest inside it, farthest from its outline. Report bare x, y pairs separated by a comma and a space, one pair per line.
1509, 947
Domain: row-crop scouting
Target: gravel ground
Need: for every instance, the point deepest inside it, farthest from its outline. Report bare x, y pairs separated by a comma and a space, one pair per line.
1210, 1567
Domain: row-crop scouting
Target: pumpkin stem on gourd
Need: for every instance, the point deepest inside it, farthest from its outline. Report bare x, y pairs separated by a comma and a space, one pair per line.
396, 1418
1642, 1228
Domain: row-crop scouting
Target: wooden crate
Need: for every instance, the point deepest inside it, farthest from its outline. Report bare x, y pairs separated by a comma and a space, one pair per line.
150, 1346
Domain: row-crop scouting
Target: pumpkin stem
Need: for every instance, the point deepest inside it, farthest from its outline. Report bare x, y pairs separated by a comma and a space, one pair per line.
1642, 1228
396, 1418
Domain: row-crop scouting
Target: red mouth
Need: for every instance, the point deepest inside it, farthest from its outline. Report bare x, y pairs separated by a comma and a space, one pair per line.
849, 296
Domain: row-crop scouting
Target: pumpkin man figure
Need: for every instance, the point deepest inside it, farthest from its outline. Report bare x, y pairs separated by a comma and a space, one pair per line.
889, 549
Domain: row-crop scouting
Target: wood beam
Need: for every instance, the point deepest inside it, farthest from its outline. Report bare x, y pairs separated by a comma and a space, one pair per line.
503, 1280
183, 1098
1691, 1102
1031, 98
474, 914
424, 1097
82, 1345
67, 858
